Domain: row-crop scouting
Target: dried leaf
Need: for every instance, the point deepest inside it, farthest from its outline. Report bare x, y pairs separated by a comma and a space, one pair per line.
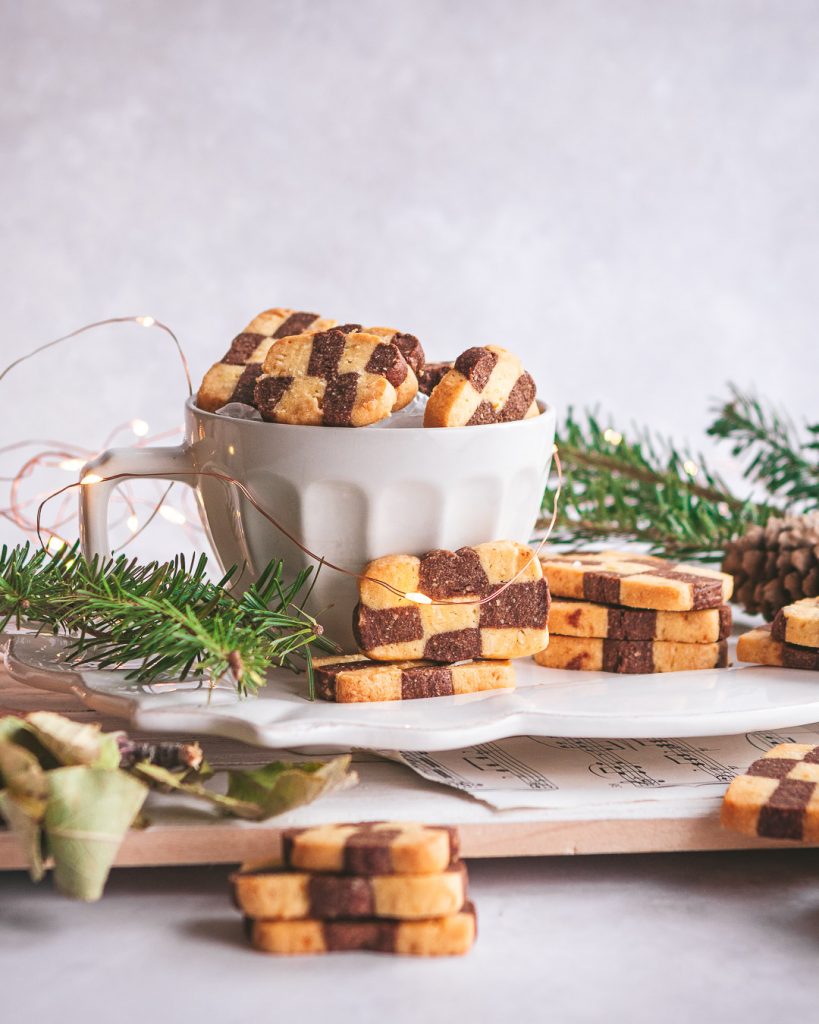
264, 792
17, 730
279, 787
21, 773
165, 779
74, 743
89, 811
23, 816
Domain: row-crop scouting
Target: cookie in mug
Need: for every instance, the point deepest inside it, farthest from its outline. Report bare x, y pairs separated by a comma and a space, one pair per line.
344, 377
487, 384
233, 378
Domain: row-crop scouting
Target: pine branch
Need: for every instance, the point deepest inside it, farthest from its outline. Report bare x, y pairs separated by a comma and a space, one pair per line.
645, 489
777, 458
168, 618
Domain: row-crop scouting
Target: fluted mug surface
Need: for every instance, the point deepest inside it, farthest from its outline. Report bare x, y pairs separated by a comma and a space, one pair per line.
349, 495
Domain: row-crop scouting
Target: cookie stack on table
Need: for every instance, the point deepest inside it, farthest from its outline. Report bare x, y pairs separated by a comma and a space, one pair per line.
449, 622
386, 887
791, 640
618, 612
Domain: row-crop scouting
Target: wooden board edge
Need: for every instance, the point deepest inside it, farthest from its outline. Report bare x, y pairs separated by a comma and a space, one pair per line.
169, 845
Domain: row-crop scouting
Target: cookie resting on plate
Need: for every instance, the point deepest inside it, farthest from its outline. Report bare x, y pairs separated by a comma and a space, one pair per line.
630, 657
349, 679
798, 623
636, 581
759, 647
585, 618
513, 624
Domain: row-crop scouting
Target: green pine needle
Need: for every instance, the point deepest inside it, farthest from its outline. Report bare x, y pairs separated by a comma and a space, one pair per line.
776, 457
641, 487
164, 620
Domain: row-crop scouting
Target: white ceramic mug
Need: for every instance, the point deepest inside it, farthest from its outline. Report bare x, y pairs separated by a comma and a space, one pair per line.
350, 495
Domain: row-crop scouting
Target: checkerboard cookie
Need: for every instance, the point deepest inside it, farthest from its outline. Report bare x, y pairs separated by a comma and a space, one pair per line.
291, 895
431, 375
410, 348
392, 628
636, 581
407, 344
334, 378
436, 936
627, 657
487, 384
233, 378
798, 623
584, 618
759, 647
778, 796
352, 679
372, 848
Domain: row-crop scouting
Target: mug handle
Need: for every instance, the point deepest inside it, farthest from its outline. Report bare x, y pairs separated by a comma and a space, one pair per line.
166, 463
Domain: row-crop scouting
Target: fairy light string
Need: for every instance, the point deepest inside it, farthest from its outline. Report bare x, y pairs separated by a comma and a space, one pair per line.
92, 479
73, 457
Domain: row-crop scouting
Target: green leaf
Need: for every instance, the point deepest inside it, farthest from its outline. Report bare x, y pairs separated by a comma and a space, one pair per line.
279, 787
23, 817
88, 813
74, 743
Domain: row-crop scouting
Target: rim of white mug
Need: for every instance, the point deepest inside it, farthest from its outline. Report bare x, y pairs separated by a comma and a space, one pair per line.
529, 423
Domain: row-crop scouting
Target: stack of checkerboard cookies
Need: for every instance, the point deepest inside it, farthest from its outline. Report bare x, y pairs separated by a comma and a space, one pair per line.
618, 612
449, 622
791, 640
386, 887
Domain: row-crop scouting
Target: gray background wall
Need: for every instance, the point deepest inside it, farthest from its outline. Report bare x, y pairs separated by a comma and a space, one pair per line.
623, 192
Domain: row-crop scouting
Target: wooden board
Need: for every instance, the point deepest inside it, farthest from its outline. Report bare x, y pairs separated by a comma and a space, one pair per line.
179, 837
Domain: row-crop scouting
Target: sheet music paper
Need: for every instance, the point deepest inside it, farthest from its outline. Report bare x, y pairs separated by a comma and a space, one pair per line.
544, 772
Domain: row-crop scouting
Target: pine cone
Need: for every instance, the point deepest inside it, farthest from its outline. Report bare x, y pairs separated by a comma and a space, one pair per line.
776, 564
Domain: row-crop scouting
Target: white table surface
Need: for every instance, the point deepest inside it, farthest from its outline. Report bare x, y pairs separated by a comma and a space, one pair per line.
728, 937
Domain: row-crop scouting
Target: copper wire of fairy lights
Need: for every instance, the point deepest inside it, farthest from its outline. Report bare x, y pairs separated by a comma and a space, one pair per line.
64, 455
92, 479
74, 457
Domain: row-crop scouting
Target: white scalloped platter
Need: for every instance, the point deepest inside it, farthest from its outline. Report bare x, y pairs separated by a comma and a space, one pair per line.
547, 702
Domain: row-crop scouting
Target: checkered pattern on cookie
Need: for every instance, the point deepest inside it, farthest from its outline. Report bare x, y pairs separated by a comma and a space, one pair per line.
410, 348
778, 796
282, 894
451, 935
352, 679
514, 624
332, 378
629, 657
431, 375
487, 384
372, 848
636, 581
798, 623
585, 618
759, 647
233, 378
